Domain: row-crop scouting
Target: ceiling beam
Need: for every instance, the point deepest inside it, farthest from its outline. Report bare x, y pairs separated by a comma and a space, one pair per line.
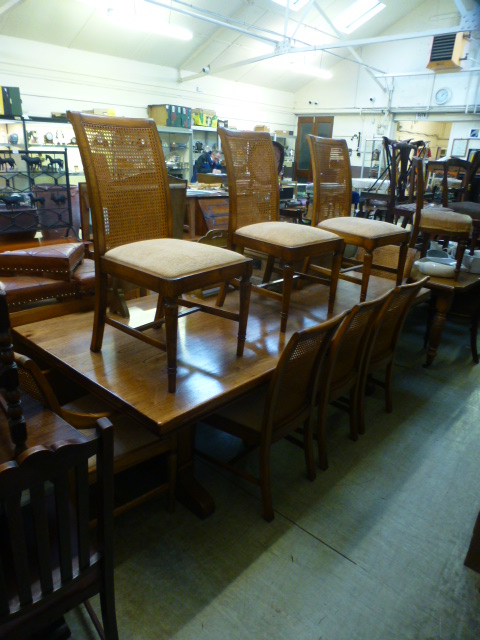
9, 5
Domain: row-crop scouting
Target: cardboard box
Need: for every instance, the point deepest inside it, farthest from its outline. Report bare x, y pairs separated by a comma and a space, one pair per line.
171, 115
261, 127
104, 111
10, 101
283, 133
205, 118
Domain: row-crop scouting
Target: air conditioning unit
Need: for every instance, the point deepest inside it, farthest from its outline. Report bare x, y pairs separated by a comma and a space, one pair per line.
447, 51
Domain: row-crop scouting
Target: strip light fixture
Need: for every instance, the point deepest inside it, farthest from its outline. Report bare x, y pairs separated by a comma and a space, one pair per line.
293, 5
357, 14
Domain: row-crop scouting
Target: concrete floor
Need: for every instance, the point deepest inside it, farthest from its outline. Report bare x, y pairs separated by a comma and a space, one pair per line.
372, 550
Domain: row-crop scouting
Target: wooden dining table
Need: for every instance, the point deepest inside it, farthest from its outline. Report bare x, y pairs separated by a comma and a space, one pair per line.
131, 375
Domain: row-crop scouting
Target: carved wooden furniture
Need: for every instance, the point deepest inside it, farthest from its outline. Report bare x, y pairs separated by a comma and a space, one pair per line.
382, 345
465, 203
48, 566
124, 373
132, 230
432, 221
272, 412
343, 368
332, 201
254, 218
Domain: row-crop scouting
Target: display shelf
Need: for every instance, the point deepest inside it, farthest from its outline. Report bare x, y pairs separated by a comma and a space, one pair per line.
177, 149
374, 163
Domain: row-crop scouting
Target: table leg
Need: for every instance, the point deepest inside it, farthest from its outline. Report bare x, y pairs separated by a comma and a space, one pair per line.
443, 303
189, 491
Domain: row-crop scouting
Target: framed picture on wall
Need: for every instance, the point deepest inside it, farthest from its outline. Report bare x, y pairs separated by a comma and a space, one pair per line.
471, 153
459, 147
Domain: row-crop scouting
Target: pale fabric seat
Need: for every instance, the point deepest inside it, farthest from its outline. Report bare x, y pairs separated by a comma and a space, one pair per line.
254, 220
332, 199
435, 221
172, 258
129, 196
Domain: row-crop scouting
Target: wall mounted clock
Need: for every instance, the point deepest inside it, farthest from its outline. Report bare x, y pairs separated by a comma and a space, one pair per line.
443, 95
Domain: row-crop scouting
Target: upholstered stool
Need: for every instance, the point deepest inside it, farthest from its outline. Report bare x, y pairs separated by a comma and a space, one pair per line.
370, 235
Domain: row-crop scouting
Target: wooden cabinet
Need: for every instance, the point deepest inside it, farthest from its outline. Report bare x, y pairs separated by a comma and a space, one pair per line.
317, 126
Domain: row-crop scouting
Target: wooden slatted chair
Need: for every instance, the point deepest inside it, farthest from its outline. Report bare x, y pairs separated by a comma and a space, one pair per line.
129, 197
343, 369
47, 564
276, 410
254, 220
332, 200
382, 346
465, 203
438, 222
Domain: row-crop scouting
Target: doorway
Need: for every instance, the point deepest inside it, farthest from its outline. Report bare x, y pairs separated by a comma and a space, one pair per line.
317, 126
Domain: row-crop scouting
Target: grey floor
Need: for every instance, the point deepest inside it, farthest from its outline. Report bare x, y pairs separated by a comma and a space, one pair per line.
372, 550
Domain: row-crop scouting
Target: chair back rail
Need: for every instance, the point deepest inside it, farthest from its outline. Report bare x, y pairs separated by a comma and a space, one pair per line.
127, 181
251, 170
47, 563
332, 175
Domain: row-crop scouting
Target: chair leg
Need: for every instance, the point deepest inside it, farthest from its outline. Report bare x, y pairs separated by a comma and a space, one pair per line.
367, 269
402, 258
388, 387
286, 295
267, 274
473, 244
353, 406
265, 482
101, 289
322, 434
245, 290
462, 245
425, 243
336, 265
308, 448
360, 401
473, 335
171, 328
222, 294
160, 311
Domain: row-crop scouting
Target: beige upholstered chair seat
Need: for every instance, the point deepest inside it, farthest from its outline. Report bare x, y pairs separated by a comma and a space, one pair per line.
445, 220
170, 258
362, 228
471, 209
282, 233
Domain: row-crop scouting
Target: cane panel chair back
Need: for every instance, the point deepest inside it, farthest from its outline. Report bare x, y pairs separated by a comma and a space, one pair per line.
276, 410
381, 350
252, 172
332, 176
126, 179
47, 564
343, 368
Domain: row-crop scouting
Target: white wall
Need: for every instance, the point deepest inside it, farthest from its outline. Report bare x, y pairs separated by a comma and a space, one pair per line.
55, 79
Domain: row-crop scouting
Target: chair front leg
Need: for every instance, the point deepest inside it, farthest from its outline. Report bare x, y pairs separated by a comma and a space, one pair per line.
171, 329
245, 290
287, 293
308, 447
402, 258
265, 481
461, 247
100, 311
267, 274
336, 265
366, 271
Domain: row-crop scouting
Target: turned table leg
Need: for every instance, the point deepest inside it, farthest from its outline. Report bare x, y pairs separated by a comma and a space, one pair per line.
444, 301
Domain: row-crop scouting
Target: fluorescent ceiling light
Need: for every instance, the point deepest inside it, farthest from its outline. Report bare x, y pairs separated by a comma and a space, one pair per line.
357, 14
299, 64
137, 15
294, 5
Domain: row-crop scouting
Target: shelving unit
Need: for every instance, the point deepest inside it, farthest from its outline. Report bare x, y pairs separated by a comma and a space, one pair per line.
177, 149
373, 161
35, 185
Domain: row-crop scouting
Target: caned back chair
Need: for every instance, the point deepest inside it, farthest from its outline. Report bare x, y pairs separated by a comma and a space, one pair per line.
382, 346
464, 202
130, 203
276, 410
9, 382
434, 221
254, 218
343, 368
332, 203
47, 563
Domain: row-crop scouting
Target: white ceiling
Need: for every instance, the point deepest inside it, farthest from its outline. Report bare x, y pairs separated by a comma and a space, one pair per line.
79, 25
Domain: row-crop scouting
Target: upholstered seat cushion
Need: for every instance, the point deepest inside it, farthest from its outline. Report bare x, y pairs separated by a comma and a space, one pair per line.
363, 228
445, 220
169, 258
471, 209
284, 234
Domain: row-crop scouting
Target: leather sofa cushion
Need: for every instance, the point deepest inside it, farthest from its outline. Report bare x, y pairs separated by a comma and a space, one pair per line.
24, 290
55, 261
